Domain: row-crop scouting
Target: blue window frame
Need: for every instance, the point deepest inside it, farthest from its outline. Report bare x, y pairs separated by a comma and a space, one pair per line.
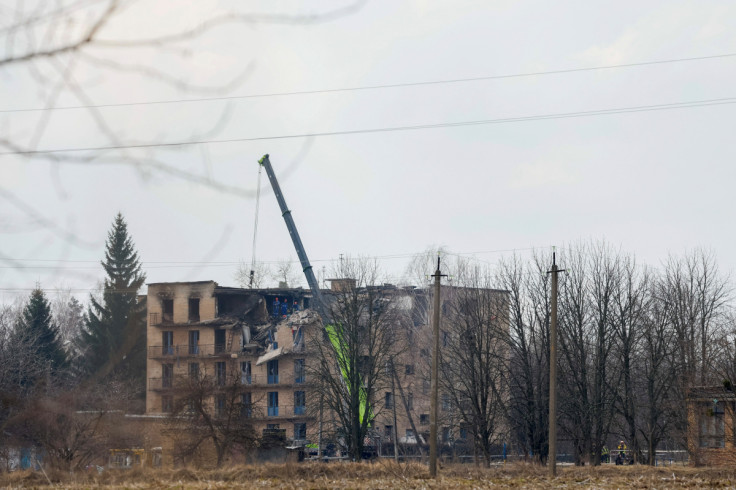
273, 403
273, 372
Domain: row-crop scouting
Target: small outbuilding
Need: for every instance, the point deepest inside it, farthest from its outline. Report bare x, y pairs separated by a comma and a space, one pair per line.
711, 425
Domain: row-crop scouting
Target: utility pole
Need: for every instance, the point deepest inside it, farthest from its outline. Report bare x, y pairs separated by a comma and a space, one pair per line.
435, 373
552, 462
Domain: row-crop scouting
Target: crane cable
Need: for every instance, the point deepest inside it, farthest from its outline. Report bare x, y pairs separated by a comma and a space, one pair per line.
255, 228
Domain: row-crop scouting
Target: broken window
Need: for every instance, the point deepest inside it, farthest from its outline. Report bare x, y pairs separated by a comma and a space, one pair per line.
194, 370
167, 306
300, 403
424, 419
194, 342
273, 371
409, 435
410, 369
219, 340
273, 403
245, 373
220, 373
167, 343
388, 400
167, 375
193, 310
299, 376
388, 431
300, 431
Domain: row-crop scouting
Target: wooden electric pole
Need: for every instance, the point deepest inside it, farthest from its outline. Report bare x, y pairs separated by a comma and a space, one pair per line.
435, 374
552, 458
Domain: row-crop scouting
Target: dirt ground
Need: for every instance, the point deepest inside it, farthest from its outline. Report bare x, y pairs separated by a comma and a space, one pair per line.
380, 475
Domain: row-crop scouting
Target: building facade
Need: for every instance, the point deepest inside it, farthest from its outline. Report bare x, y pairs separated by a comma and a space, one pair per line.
231, 335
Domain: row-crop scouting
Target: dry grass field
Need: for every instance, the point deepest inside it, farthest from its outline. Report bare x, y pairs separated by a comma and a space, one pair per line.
384, 475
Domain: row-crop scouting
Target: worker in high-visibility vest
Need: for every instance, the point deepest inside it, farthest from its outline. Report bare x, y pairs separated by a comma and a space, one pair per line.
622, 451
605, 455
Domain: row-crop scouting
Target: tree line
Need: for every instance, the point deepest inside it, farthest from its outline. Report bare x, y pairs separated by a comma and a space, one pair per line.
632, 340
61, 360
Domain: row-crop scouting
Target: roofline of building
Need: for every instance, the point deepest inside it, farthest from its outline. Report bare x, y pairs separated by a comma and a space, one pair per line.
180, 282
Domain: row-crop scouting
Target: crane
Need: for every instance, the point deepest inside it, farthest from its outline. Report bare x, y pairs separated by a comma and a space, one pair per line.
291, 226
317, 298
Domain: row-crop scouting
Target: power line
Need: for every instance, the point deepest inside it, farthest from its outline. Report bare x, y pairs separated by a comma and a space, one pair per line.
372, 87
538, 117
185, 263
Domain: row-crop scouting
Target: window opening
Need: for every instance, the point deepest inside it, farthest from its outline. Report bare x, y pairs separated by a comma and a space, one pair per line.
246, 408
167, 305
273, 372
167, 403
300, 403
220, 373
194, 342
219, 340
194, 370
300, 431
167, 343
273, 403
167, 375
388, 400
299, 376
193, 310
245, 373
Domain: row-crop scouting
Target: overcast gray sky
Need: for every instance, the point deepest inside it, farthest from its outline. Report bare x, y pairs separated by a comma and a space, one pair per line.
650, 182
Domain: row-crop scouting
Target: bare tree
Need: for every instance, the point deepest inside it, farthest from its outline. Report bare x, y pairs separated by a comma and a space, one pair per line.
696, 295
261, 273
68, 316
585, 334
353, 360
286, 274
528, 287
212, 408
61, 51
631, 308
474, 361
69, 437
657, 371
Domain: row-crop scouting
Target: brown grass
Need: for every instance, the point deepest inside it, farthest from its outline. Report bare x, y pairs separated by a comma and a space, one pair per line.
383, 474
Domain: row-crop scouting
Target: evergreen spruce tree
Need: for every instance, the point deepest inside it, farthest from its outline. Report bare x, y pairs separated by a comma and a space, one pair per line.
113, 339
37, 330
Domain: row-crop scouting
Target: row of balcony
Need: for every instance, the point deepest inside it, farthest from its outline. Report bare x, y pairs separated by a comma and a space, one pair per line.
188, 350
171, 382
259, 412
156, 319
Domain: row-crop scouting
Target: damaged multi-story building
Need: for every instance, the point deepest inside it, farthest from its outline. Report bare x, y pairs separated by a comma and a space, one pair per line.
256, 338
251, 336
